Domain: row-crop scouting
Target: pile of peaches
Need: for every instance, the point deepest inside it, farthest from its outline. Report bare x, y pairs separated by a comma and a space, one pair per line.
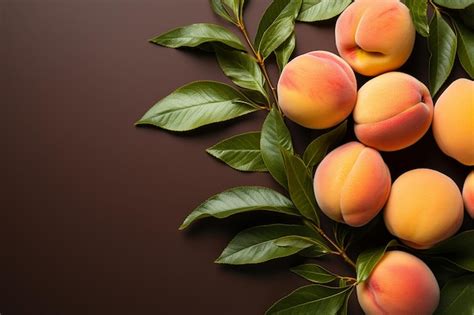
392, 111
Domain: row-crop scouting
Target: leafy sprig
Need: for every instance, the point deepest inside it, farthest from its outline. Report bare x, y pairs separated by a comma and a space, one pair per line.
271, 149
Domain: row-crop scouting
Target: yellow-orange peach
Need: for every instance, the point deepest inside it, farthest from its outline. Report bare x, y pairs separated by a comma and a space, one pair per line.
468, 194
424, 208
352, 184
317, 90
393, 111
453, 121
375, 36
400, 284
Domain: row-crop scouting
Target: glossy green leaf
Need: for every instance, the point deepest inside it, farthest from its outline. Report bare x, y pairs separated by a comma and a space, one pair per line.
316, 251
344, 310
242, 69
309, 300
219, 8
466, 48
368, 259
443, 269
241, 152
457, 297
239, 200
458, 249
454, 4
314, 273
197, 104
418, 12
318, 148
197, 34
276, 25
275, 135
318, 10
261, 243
442, 44
230, 10
284, 52
300, 186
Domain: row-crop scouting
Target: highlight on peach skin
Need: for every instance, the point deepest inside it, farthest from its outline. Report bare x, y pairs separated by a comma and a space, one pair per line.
375, 36
317, 90
400, 284
468, 194
425, 207
352, 184
393, 111
453, 122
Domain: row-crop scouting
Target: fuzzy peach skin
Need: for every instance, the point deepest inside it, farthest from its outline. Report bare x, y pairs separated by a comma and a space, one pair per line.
400, 284
468, 194
393, 111
352, 184
375, 36
317, 90
424, 208
453, 121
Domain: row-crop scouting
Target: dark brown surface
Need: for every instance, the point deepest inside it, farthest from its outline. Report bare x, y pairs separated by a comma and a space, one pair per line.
91, 204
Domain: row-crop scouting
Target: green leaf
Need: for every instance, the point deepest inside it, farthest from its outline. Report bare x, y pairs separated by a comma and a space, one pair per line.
314, 273
457, 297
242, 69
443, 269
368, 259
300, 186
310, 300
197, 104
230, 10
197, 34
418, 12
219, 8
275, 135
318, 10
241, 199
458, 249
241, 152
442, 45
466, 48
454, 4
345, 307
284, 52
318, 148
276, 25
261, 243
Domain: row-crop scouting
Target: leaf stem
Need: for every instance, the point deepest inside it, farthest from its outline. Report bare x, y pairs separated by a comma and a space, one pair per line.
260, 61
339, 251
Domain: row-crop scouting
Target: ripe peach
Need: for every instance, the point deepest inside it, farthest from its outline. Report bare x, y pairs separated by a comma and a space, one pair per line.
352, 184
453, 121
424, 208
375, 36
317, 90
393, 111
468, 194
400, 284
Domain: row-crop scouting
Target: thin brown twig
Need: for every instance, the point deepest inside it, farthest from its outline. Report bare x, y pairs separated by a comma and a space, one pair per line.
340, 251
260, 61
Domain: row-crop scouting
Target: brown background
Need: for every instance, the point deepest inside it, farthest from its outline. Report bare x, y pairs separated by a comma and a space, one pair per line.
91, 204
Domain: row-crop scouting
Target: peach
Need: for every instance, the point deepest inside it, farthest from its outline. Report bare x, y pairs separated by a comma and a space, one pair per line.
424, 208
400, 284
393, 111
375, 36
453, 121
317, 90
468, 194
352, 184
